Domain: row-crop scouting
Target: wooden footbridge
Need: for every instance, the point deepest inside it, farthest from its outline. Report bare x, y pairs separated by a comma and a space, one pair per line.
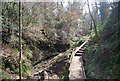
76, 69
77, 72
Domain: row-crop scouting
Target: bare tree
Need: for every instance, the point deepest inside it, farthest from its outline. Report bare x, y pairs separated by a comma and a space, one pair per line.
94, 23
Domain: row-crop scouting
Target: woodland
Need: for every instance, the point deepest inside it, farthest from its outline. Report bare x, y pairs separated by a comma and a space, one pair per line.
39, 38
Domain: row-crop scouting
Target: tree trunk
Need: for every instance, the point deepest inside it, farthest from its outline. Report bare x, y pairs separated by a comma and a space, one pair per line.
20, 40
94, 23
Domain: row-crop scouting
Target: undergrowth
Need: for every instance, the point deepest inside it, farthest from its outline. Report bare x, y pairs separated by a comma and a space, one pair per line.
103, 62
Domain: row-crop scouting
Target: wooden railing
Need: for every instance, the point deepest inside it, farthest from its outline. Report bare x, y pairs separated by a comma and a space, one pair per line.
73, 53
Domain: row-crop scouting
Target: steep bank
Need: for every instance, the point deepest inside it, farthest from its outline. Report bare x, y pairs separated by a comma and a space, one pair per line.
35, 52
103, 62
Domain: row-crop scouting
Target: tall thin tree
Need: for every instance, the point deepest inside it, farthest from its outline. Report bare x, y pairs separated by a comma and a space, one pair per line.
20, 40
94, 23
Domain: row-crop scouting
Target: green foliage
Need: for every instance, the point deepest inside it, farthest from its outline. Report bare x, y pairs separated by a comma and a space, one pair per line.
11, 64
66, 74
26, 66
92, 34
103, 60
10, 12
80, 42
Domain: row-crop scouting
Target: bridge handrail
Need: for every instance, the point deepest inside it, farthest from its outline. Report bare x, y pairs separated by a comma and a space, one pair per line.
73, 53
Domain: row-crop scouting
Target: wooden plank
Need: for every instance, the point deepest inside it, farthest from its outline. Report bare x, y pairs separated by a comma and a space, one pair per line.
78, 54
77, 72
80, 51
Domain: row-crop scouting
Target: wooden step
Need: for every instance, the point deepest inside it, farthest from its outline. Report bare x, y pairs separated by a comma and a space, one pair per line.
83, 47
80, 51
78, 54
